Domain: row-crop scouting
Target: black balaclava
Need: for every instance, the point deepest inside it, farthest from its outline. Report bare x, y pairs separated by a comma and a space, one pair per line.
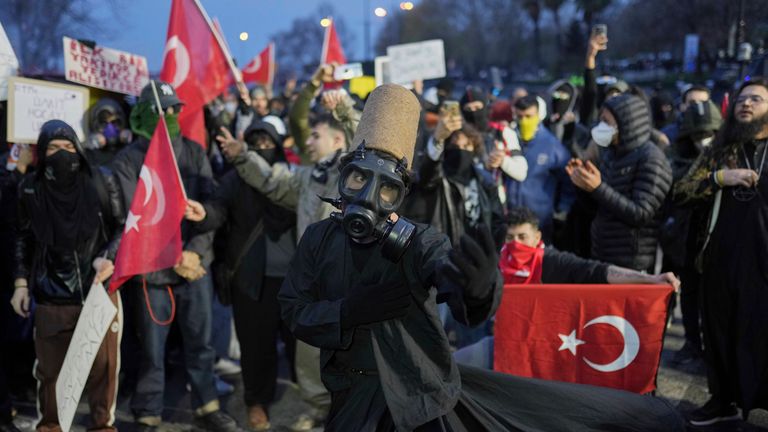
365, 213
261, 128
458, 164
479, 118
65, 190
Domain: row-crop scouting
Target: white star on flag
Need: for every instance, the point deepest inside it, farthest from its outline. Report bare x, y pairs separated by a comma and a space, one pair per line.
570, 342
132, 222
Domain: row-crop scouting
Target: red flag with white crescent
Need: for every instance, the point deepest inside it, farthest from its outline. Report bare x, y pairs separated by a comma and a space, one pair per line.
262, 68
605, 335
195, 63
332, 51
152, 234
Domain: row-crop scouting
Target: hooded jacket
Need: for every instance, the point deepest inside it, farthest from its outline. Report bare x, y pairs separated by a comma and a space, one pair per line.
636, 178
57, 274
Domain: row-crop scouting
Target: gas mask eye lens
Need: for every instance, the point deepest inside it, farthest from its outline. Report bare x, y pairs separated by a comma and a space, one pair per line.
355, 180
389, 194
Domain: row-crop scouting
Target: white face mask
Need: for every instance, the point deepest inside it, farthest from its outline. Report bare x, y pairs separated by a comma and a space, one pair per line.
603, 134
704, 143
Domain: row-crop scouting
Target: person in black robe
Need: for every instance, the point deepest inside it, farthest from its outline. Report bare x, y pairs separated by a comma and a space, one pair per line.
364, 287
734, 291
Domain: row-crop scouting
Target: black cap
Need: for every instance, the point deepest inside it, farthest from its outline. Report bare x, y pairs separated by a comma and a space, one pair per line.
165, 92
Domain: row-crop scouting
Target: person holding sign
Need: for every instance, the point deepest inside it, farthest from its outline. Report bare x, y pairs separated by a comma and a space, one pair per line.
68, 231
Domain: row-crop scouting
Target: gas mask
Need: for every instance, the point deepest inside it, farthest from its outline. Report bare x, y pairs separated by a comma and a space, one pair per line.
372, 190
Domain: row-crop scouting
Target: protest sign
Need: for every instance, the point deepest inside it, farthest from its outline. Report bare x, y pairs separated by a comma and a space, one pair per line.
33, 102
104, 68
381, 68
94, 322
416, 61
9, 64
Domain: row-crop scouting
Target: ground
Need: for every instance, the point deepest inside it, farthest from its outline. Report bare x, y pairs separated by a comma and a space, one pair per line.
684, 386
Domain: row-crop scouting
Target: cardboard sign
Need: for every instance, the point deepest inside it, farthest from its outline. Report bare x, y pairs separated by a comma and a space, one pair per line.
104, 68
416, 61
33, 102
94, 322
9, 64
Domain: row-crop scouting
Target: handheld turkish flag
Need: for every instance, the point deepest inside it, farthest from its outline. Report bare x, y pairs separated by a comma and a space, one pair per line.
196, 62
152, 236
605, 335
332, 51
262, 68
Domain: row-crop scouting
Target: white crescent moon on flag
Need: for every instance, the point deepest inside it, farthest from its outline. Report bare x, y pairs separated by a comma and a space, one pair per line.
255, 65
160, 209
146, 178
181, 55
631, 343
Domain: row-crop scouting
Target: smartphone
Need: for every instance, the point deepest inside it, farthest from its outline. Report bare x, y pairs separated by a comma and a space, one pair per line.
348, 71
600, 29
451, 107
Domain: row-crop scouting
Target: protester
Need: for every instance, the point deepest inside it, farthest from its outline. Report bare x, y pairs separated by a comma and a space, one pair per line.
188, 285
252, 105
630, 186
260, 239
545, 189
68, 231
525, 259
684, 225
304, 189
109, 131
369, 301
692, 94
733, 290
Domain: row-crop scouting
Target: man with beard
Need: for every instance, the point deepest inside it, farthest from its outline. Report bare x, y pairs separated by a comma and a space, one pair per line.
364, 286
735, 280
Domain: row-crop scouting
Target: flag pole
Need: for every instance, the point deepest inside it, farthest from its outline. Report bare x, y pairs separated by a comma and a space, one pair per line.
161, 116
235, 71
326, 37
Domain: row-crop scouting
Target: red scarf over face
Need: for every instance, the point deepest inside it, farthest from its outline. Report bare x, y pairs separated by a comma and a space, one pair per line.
521, 264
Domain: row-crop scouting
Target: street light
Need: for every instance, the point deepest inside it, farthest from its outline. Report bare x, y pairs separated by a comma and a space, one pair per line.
325, 22
380, 12
406, 6
244, 36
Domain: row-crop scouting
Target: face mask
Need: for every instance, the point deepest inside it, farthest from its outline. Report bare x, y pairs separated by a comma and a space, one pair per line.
269, 155
458, 162
704, 143
61, 168
603, 134
528, 127
230, 107
371, 190
478, 119
111, 134
144, 119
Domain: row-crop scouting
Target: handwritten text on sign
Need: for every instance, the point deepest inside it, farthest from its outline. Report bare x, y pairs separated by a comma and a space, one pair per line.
33, 102
416, 61
104, 68
94, 321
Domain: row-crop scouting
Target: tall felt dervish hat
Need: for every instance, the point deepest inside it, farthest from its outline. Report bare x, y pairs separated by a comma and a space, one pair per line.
389, 122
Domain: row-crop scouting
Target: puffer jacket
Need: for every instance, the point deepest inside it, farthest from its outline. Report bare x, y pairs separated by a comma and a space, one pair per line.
636, 178
58, 276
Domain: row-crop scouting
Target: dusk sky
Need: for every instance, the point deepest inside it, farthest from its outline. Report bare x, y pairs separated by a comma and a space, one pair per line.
147, 21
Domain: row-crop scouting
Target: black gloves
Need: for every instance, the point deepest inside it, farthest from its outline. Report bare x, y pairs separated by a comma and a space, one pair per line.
373, 303
476, 259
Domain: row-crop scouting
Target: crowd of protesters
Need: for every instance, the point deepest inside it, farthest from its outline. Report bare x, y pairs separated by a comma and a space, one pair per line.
596, 184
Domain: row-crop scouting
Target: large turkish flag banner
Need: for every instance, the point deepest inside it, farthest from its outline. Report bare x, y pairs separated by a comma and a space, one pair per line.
195, 64
606, 335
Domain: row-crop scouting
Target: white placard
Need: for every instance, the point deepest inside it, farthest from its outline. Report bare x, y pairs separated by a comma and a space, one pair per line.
94, 322
104, 68
381, 70
33, 102
9, 64
416, 61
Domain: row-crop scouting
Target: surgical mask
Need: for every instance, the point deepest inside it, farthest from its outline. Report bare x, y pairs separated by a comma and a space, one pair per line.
603, 134
372, 190
61, 168
703, 143
528, 127
230, 107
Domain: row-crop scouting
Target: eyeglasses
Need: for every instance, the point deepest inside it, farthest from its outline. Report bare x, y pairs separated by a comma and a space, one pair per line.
755, 99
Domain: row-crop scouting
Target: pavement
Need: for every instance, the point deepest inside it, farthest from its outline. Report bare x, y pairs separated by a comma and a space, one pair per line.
683, 385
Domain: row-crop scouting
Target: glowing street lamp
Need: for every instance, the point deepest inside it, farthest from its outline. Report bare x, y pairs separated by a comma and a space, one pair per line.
325, 22
244, 36
380, 12
406, 6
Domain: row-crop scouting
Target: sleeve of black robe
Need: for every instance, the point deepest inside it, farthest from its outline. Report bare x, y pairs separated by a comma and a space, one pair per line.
314, 321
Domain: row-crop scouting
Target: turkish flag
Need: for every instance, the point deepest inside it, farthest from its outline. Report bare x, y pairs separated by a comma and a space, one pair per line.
605, 335
262, 68
152, 235
332, 51
195, 63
